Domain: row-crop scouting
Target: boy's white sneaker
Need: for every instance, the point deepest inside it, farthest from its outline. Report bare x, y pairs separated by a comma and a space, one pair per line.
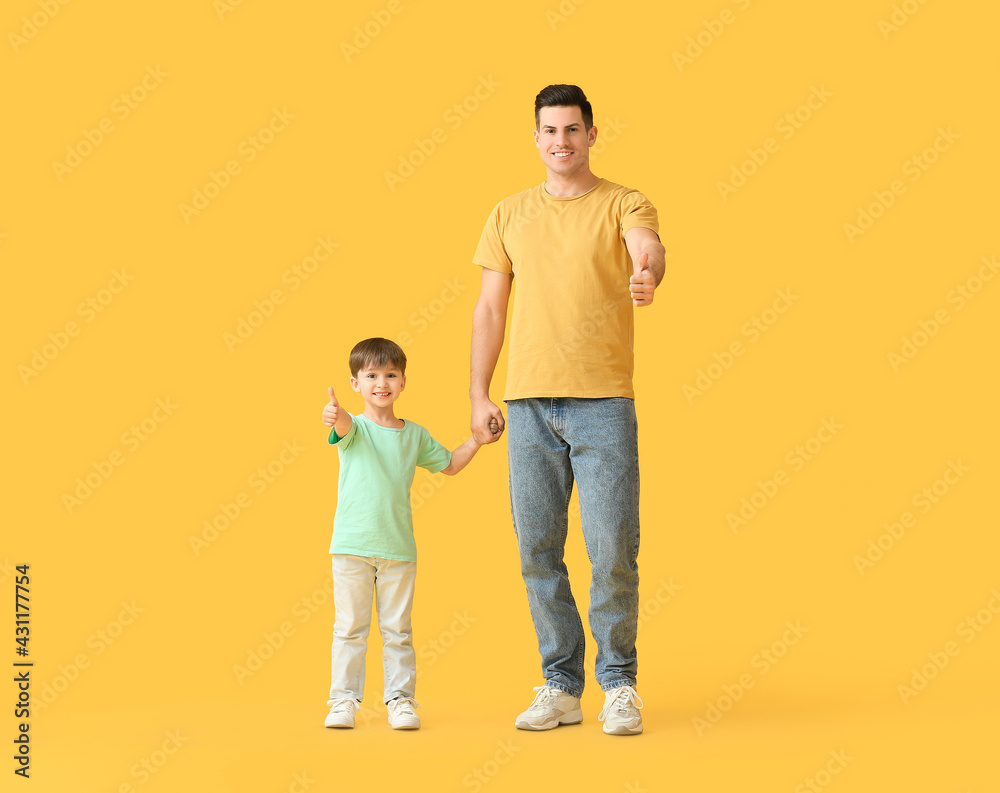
621, 712
550, 708
401, 714
341, 713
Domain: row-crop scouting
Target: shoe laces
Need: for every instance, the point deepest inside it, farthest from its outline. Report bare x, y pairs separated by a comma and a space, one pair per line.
545, 693
403, 705
625, 698
344, 706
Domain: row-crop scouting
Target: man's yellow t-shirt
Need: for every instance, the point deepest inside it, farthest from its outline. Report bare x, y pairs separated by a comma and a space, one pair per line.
571, 329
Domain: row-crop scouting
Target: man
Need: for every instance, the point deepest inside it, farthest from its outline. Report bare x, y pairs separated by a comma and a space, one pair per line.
583, 251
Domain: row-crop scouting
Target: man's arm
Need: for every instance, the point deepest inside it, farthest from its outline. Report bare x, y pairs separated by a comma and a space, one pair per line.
648, 263
462, 456
489, 319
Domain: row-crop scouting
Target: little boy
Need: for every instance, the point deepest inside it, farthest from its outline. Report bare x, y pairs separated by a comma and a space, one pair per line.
373, 543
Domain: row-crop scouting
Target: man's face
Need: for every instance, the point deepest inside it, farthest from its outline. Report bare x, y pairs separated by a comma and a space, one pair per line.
379, 387
562, 140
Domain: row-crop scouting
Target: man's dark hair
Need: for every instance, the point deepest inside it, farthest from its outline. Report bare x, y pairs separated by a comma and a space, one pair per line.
377, 353
565, 96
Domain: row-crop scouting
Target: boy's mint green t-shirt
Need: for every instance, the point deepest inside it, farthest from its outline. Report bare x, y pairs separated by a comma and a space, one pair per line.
377, 465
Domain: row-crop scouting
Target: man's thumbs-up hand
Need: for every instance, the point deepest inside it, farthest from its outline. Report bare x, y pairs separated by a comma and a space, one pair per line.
642, 283
331, 410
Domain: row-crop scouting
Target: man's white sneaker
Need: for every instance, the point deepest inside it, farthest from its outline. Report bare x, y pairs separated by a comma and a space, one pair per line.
550, 708
401, 714
621, 712
341, 713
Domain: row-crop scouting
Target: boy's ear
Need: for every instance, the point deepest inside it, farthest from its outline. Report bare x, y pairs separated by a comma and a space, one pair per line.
355, 385
402, 382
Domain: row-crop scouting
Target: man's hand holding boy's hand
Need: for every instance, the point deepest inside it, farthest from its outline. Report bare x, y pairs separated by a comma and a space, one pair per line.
487, 421
330, 412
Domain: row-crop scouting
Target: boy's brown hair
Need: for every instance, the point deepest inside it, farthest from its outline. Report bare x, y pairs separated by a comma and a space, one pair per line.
377, 353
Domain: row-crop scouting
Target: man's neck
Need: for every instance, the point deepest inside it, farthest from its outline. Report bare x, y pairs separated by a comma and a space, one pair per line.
578, 184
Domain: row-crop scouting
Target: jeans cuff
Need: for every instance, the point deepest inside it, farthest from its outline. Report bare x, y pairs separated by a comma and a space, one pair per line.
564, 689
617, 684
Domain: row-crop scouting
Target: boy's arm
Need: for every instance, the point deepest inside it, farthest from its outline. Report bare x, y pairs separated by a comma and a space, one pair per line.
334, 417
462, 456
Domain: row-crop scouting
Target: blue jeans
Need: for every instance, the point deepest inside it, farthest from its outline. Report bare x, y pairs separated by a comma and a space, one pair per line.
551, 443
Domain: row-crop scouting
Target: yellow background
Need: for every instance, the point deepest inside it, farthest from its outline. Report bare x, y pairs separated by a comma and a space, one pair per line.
671, 128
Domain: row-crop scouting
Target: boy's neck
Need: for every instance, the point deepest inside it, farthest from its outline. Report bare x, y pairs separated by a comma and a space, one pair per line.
384, 417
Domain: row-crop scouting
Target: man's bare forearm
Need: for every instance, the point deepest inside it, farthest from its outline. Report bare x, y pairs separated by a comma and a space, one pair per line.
487, 341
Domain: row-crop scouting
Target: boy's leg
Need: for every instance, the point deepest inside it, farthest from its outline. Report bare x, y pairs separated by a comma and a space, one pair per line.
541, 481
353, 579
394, 582
605, 457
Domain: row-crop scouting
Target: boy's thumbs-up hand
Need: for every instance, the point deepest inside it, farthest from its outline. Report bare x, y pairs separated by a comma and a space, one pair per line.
331, 410
642, 283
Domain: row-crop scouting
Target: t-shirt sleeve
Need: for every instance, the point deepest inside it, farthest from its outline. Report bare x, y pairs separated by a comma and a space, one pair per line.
638, 212
348, 439
491, 252
432, 455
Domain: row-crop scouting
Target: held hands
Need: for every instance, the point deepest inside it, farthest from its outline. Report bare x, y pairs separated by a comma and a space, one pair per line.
642, 283
331, 410
487, 422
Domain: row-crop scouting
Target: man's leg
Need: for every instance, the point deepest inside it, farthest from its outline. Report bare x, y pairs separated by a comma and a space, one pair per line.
541, 480
602, 434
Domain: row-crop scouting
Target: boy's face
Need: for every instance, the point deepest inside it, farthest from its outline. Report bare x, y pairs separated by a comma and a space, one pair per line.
563, 141
379, 387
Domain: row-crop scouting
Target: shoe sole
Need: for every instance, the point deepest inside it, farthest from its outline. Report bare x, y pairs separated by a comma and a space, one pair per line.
339, 726
623, 730
573, 717
405, 726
